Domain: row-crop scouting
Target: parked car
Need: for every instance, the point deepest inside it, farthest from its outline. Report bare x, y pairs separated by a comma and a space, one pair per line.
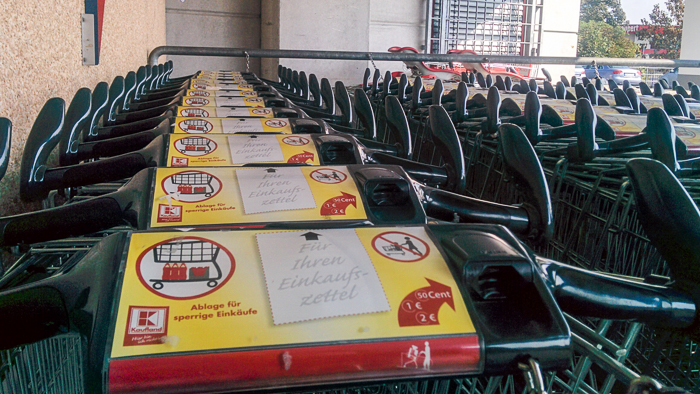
671, 76
619, 74
579, 72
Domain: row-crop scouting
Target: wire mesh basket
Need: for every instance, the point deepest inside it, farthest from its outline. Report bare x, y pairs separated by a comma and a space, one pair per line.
50, 366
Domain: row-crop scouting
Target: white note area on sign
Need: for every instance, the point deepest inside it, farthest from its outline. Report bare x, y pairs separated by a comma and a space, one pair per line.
274, 189
319, 274
255, 149
241, 125
225, 101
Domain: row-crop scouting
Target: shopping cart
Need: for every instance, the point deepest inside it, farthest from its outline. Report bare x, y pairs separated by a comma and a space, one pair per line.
53, 365
177, 258
193, 183
196, 126
393, 249
195, 144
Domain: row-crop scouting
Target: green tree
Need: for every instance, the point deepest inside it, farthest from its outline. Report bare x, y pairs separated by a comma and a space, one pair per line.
665, 28
599, 39
608, 11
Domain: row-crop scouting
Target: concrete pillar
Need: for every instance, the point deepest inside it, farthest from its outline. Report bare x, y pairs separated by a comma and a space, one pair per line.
559, 34
213, 23
689, 48
398, 23
325, 25
269, 36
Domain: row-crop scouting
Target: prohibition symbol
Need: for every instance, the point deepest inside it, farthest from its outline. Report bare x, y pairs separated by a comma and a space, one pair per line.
328, 175
254, 100
261, 111
294, 140
401, 247
614, 122
196, 101
200, 93
275, 123
685, 133
194, 113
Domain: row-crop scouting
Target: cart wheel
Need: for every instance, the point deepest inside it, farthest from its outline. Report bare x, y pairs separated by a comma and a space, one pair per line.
158, 285
183, 151
207, 195
212, 283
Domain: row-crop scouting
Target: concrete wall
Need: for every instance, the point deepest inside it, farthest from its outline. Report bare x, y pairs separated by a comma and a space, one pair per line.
396, 23
40, 58
213, 23
560, 33
364, 25
269, 36
689, 48
325, 25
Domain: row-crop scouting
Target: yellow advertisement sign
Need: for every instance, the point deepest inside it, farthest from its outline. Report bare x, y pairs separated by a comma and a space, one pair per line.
447, 86
202, 291
231, 125
218, 150
566, 112
651, 102
212, 84
690, 134
625, 124
190, 101
694, 109
227, 195
223, 112
215, 73
221, 93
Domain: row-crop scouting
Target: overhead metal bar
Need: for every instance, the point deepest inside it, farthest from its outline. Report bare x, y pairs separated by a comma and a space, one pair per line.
430, 57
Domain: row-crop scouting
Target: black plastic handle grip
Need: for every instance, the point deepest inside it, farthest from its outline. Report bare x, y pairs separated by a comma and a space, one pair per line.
444, 205
397, 126
365, 114
62, 222
5, 144
425, 173
448, 145
586, 293
43, 137
521, 161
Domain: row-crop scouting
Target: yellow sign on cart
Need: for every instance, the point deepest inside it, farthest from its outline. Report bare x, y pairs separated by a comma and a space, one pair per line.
222, 150
226, 195
223, 112
202, 291
212, 84
185, 125
189, 101
221, 93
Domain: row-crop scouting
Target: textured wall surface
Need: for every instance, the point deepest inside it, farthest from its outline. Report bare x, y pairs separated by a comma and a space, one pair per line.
41, 57
559, 34
212, 23
332, 25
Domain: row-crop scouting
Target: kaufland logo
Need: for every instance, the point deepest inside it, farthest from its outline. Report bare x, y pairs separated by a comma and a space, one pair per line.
146, 325
147, 320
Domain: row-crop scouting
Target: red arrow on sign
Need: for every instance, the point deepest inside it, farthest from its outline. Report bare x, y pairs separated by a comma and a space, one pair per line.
421, 307
301, 157
337, 205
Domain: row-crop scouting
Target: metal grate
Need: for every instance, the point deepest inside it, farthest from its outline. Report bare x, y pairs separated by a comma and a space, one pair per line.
50, 366
489, 27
